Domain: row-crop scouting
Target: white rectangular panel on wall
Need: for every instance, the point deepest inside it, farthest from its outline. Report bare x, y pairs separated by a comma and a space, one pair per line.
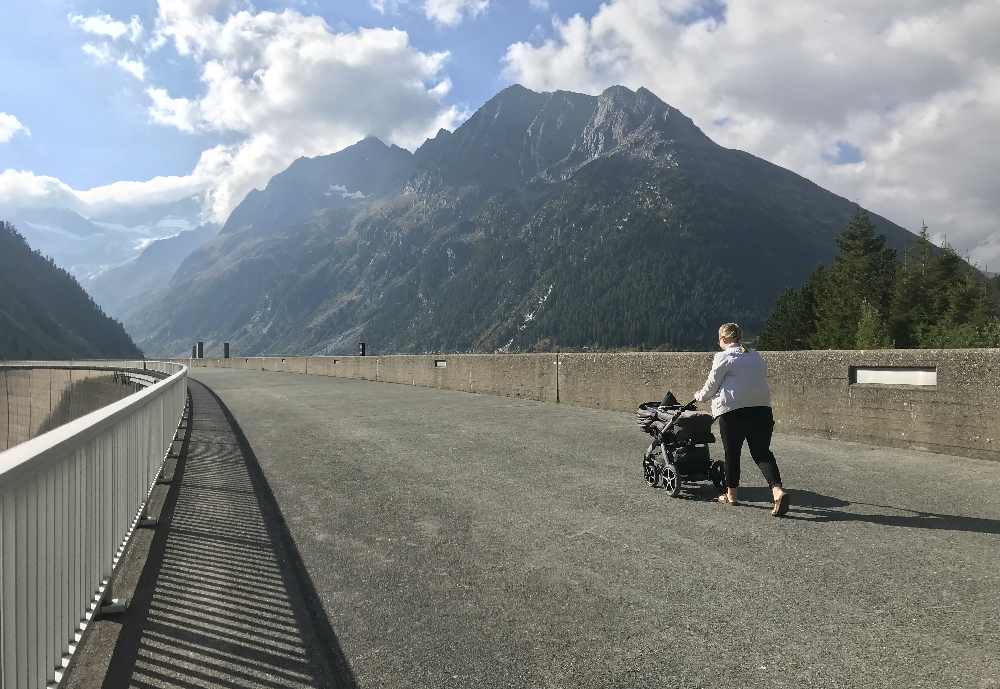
887, 375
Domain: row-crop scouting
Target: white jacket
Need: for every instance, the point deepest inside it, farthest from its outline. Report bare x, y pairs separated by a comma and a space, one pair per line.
738, 379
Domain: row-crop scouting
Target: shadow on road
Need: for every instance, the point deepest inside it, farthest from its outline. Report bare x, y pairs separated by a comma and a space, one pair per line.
225, 600
814, 507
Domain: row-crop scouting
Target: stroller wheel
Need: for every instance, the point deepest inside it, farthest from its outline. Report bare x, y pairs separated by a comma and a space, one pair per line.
651, 472
671, 479
717, 473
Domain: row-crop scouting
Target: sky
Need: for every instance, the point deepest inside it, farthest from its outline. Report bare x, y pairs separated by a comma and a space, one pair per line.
109, 104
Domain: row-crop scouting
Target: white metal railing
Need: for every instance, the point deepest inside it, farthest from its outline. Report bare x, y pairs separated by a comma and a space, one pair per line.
69, 501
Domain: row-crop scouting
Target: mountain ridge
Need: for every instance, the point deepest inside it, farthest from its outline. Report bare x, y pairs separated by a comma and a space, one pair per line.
545, 220
45, 314
129, 287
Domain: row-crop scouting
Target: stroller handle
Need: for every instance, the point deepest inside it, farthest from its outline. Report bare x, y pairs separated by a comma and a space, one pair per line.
690, 406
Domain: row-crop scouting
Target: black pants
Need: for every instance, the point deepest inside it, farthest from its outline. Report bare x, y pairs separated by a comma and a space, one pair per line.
755, 425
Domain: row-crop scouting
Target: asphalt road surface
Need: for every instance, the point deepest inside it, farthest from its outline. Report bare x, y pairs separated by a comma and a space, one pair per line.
457, 540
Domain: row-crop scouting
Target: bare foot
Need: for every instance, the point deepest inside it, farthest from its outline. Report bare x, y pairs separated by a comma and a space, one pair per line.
729, 497
780, 501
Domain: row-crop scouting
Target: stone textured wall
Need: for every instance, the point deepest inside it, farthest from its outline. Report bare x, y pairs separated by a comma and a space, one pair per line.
33, 401
812, 391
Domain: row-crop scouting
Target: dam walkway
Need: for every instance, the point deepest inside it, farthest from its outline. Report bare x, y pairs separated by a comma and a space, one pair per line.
325, 532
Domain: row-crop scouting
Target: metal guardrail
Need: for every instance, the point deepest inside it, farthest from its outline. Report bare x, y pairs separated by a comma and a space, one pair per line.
69, 501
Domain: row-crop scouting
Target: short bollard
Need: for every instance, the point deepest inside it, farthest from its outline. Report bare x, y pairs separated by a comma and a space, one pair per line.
112, 607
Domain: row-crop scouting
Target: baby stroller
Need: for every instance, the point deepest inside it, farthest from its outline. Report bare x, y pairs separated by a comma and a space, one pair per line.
679, 451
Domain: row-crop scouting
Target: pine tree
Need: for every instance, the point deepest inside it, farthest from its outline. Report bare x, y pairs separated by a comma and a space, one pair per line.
989, 333
910, 302
866, 299
924, 249
863, 270
961, 304
792, 323
871, 331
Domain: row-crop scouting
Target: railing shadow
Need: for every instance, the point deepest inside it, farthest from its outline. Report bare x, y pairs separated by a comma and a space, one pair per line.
224, 600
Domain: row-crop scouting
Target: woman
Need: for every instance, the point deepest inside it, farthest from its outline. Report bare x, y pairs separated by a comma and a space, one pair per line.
741, 401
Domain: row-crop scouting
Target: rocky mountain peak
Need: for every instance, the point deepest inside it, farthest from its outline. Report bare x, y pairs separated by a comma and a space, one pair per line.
619, 94
636, 123
364, 170
370, 142
521, 134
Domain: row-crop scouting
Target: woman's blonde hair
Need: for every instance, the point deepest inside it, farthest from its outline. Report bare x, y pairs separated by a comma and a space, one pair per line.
732, 333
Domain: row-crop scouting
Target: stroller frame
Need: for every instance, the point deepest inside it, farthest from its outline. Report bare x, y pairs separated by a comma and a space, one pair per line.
670, 473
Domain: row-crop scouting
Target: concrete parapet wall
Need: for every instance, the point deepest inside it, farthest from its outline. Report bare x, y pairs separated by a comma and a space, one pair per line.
528, 376
622, 381
36, 400
813, 392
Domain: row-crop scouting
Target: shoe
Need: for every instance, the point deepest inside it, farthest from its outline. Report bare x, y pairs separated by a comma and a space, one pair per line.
780, 506
726, 500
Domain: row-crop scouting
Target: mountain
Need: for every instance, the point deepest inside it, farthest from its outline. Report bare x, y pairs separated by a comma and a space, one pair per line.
123, 290
45, 314
546, 220
368, 169
88, 246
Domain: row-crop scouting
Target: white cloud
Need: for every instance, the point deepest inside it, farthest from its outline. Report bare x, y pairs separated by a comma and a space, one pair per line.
21, 188
26, 189
344, 193
277, 85
100, 53
134, 67
286, 86
135, 29
540, 5
386, 6
9, 126
181, 113
104, 54
451, 12
913, 84
108, 31
106, 26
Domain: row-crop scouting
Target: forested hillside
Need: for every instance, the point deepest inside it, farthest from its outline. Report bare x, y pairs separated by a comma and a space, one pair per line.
872, 297
45, 314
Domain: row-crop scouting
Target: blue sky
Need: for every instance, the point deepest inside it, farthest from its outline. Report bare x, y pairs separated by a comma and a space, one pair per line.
89, 122
895, 105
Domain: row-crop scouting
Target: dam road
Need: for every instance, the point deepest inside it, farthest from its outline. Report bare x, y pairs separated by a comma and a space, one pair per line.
340, 533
